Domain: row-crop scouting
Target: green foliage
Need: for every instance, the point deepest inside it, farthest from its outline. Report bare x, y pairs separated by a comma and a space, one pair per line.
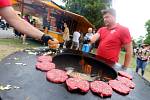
147, 26
91, 9
134, 43
147, 40
140, 41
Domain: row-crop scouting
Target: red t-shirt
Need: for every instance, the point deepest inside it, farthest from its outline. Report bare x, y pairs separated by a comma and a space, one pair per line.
111, 41
4, 3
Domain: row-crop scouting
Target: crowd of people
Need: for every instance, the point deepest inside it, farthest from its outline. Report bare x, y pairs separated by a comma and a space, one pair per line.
78, 40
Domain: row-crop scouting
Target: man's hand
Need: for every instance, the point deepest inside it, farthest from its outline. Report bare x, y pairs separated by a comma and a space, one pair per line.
45, 38
54, 44
119, 67
54, 41
49, 39
94, 38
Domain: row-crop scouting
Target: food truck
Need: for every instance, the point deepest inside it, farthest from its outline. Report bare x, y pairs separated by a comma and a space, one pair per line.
51, 17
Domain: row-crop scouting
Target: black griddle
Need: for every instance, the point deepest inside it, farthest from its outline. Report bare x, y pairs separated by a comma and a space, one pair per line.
72, 58
34, 86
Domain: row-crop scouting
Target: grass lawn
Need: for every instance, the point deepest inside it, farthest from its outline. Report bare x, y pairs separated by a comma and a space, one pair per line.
16, 42
8, 46
133, 65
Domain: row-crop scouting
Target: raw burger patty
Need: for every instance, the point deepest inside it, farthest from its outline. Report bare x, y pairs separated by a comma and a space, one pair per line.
125, 74
45, 66
56, 76
77, 83
44, 59
119, 87
101, 88
126, 81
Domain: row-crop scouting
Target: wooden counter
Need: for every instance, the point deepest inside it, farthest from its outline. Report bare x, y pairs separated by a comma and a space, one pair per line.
56, 35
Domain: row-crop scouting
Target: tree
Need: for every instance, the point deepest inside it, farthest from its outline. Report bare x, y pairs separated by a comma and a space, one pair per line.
147, 26
134, 43
140, 40
91, 9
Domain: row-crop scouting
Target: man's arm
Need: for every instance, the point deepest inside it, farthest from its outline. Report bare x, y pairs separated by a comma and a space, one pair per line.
19, 24
128, 54
94, 37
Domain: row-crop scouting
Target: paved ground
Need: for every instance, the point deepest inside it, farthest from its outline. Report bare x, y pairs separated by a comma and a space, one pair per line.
7, 33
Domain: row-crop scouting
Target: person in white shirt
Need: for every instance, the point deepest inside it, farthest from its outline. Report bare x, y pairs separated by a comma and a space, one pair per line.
75, 40
87, 46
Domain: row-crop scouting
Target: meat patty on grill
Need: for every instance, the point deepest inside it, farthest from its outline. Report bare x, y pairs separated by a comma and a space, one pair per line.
77, 83
56, 76
44, 59
101, 88
126, 81
119, 87
45, 66
125, 74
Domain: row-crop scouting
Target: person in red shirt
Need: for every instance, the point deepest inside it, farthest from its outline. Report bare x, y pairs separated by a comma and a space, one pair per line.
113, 37
9, 14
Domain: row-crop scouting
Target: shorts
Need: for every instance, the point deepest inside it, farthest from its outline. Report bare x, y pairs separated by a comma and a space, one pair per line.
86, 48
75, 44
141, 63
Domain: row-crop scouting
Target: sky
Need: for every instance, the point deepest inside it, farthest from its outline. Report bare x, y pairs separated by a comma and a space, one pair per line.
133, 14
59, 2
130, 13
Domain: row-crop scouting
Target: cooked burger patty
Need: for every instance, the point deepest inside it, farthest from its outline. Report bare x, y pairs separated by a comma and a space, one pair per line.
126, 81
56, 76
101, 88
125, 74
44, 59
119, 87
45, 66
77, 83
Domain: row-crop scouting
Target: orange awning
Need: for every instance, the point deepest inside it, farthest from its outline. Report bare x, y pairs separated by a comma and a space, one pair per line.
83, 23
79, 17
14, 2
